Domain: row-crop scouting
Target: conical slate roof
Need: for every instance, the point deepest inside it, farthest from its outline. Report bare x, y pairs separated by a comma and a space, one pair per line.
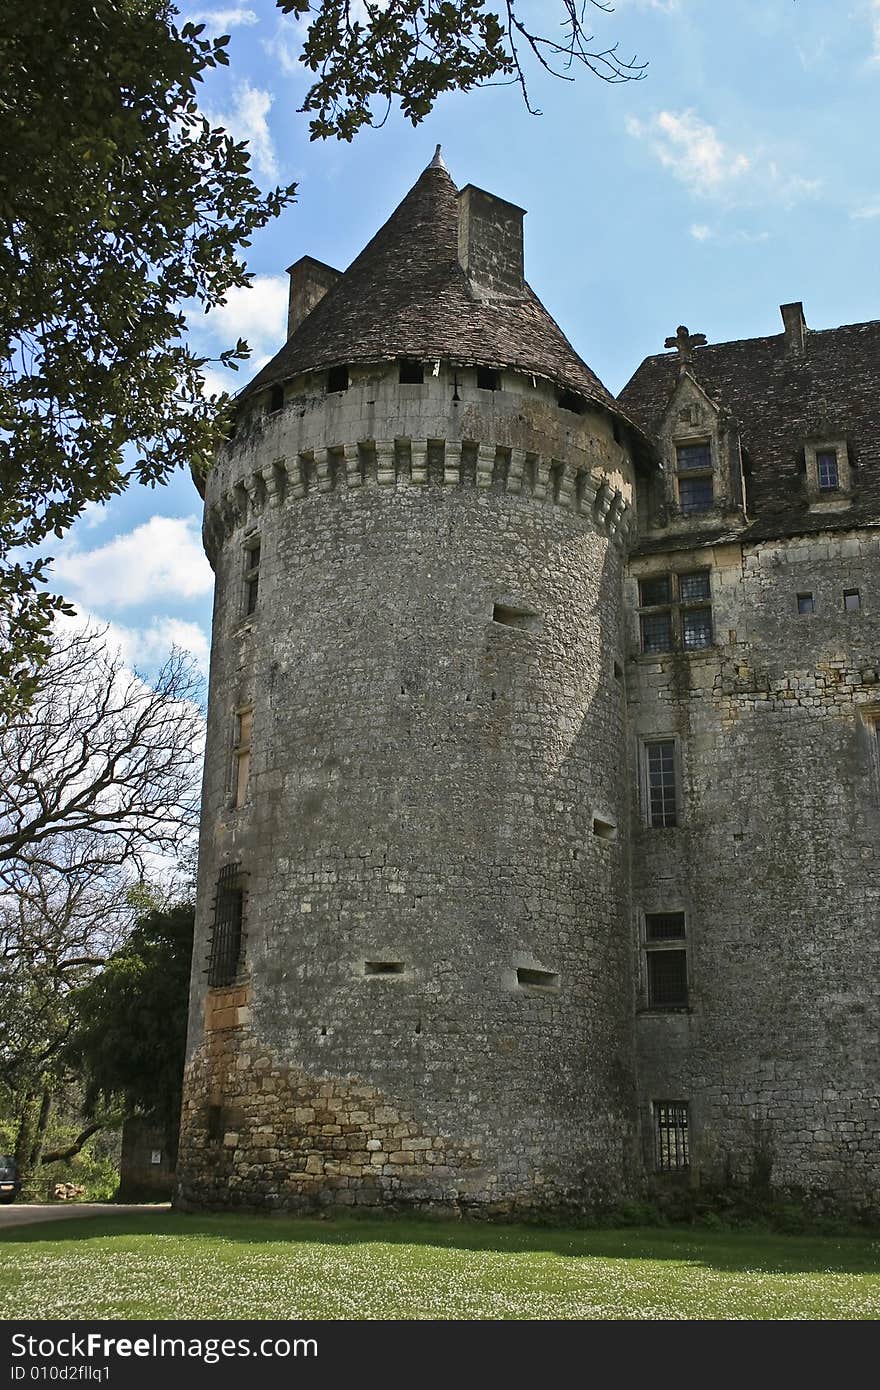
406, 295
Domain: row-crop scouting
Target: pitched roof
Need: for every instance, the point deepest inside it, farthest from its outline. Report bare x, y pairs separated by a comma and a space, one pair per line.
406, 295
778, 399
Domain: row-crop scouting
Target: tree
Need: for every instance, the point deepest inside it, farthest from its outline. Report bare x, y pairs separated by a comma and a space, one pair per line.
130, 1037
99, 786
414, 50
119, 202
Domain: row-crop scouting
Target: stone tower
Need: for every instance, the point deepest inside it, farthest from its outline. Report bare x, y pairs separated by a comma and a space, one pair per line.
413, 971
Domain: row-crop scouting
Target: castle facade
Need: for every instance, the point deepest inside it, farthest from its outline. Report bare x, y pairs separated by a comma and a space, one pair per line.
541, 815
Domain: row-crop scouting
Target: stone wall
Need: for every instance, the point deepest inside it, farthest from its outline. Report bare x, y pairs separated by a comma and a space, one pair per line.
774, 863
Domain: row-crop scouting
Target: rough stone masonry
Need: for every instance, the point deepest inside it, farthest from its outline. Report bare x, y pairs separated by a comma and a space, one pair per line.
540, 820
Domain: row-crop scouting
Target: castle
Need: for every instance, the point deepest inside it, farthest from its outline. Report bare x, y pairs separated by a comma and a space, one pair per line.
541, 815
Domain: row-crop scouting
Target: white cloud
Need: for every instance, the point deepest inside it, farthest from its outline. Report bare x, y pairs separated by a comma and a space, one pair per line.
220, 21
691, 148
149, 647
866, 212
247, 121
696, 155
94, 514
257, 312
700, 232
286, 44
163, 558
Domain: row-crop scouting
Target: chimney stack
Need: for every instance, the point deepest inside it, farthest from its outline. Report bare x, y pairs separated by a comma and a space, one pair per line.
490, 242
309, 282
795, 326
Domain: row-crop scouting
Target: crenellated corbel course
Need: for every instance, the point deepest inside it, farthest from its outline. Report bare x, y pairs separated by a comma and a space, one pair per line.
387, 463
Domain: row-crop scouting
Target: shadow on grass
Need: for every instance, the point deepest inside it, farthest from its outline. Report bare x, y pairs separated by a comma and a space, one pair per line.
759, 1252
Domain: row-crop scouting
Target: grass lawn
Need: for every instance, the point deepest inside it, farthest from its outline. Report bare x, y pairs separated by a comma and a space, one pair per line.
177, 1266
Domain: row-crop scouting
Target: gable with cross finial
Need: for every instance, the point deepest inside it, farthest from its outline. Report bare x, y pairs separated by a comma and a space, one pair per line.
685, 343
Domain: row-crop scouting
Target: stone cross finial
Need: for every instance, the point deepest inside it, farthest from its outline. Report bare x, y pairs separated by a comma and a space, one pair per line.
685, 342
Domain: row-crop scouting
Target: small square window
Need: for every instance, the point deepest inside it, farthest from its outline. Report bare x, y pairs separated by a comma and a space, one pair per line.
852, 600
827, 470
656, 632
671, 1142
694, 588
691, 458
696, 628
695, 494
487, 379
805, 603
656, 590
337, 379
412, 373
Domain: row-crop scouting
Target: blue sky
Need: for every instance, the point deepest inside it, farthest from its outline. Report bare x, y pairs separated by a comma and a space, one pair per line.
741, 173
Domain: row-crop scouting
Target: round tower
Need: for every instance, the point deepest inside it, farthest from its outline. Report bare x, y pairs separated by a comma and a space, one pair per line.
413, 973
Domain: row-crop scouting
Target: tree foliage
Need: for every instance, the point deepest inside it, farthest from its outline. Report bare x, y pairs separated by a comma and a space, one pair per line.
370, 53
118, 202
130, 1037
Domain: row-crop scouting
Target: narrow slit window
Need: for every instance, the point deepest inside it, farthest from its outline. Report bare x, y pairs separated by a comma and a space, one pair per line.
276, 399
226, 935
508, 616
488, 379
537, 979
412, 373
251, 576
384, 967
661, 783
852, 600
242, 755
671, 1138
806, 603
337, 379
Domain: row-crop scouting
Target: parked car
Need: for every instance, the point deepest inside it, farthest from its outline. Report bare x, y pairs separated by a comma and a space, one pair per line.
10, 1182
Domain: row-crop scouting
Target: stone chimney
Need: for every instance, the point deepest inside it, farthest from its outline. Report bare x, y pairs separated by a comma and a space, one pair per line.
795, 326
309, 282
490, 242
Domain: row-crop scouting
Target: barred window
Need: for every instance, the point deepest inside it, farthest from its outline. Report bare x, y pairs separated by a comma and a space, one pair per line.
671, 1146
661, 783
226, 935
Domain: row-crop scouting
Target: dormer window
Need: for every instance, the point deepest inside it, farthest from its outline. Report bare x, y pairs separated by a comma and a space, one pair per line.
696, 491
829, 477
827, 471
